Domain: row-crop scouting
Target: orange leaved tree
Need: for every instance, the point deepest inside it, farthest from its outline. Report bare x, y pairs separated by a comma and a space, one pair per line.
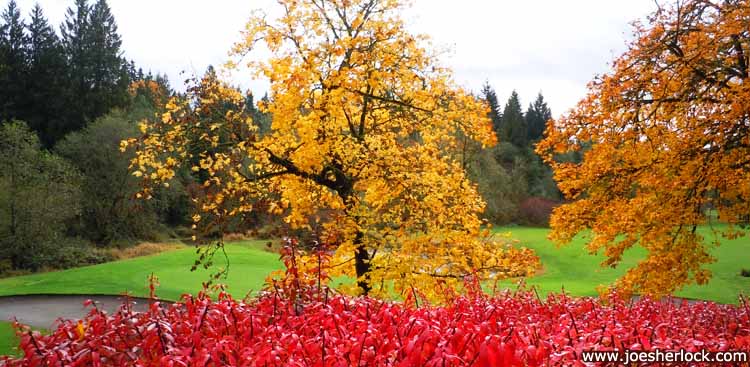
664, 137
364, 142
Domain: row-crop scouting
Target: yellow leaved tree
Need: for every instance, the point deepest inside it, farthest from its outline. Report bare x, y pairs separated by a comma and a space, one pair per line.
665, 137
364, 142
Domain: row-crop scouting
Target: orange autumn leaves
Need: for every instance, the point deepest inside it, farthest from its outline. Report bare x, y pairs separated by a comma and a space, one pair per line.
664, 137
364, 144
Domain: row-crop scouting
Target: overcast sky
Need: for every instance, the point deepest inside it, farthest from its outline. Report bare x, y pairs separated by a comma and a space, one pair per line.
553, 46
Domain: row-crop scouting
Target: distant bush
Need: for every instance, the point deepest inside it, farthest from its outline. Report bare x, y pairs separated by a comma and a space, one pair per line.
537, 210
6, 268
74, 253
110, 214
238, 236
500, 189
39, 196
745, 272
143, 249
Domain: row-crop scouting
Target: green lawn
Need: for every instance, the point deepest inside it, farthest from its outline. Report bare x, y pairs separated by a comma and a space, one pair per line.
249, 266
8, 340
572, 267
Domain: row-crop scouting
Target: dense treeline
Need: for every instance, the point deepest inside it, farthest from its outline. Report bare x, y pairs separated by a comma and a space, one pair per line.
58, 83
69, 97
515, 183
67, 100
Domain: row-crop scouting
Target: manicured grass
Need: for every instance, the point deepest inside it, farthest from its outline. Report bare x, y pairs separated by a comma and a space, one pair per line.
249, 266
572, 267
8, 340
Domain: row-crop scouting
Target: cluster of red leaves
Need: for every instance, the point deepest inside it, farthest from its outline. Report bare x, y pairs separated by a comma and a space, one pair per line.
509, 330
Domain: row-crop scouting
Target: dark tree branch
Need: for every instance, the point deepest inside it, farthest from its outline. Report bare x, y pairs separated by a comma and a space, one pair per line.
389, 100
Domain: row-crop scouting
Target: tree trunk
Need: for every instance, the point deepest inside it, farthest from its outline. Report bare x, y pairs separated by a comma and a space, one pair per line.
362, 264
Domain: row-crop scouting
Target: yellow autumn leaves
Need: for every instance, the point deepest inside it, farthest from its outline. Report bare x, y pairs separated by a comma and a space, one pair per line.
362, 146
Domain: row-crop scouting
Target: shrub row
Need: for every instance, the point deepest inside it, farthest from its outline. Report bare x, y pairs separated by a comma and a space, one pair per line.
276, 329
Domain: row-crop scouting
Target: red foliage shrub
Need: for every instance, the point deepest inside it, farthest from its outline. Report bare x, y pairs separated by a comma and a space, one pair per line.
299, 323
537, 210
508, 330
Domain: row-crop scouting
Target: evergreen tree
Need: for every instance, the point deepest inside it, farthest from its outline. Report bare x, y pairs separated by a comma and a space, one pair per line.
74, 31
261, 119
163, 81
12, 62
488, 94
74, 38
109, 70
132, 71
42, 38
537, 117
44, 103
513, 126
98, 73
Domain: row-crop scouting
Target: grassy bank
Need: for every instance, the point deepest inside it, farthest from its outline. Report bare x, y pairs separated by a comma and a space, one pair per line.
248, 267
569, 266
572, 267
8, 340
